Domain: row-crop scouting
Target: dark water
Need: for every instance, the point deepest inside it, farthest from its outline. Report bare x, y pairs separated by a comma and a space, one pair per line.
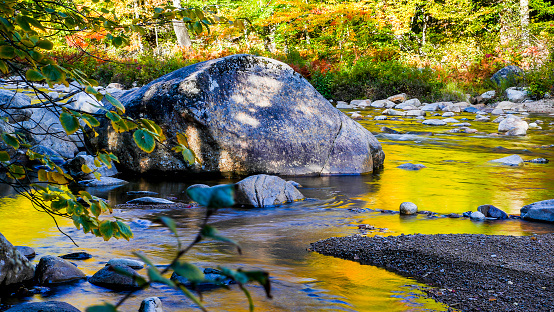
458, 178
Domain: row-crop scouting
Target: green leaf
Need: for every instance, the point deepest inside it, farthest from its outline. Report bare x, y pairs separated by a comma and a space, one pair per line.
45, 44
90, 121
4, 67
261, 277
106, 307
144, 140
115, 102
10, 140
218, 196
106, 229
69, 122
7, 52
52, 73
16, 172
34, 22
95, 209
4, 156
34, 75
124, 229
188, 156
59, 204
85, 169
189, 271
105, 159
211, 232
42, 175
117, 41
23, 23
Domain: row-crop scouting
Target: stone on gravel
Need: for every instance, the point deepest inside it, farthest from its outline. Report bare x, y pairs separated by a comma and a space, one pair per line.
151, 304
104, 181
15, 268
48, 306
539, 211
265, 191
398, 98
491, 211
477, 215
28, 252
434, 122
408, 208
132, 263
410, 166
149, 201
55, 270
242, 114
512, 160
107, 277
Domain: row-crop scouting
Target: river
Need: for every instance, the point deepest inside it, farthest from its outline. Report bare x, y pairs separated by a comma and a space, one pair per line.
457, 178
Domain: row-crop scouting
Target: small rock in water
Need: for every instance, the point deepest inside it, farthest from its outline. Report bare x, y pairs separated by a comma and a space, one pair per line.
151, 304
141, 193
410, 166
109, 278
453, 215
28, 252
492, 212
389, 130
408, 208
512, 160
149, 201
134, 264
77, 256
476, 215
471, 109
434, 122
538, 161
54, 270
448, 114
366, 227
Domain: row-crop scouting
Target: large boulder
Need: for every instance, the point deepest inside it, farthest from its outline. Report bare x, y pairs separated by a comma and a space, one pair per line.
506, 75
264, 191
48, 306
243, 114
55, 270
540, 211
14, 267
109, 277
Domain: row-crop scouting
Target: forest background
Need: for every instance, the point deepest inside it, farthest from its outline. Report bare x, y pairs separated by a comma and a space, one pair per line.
434, 50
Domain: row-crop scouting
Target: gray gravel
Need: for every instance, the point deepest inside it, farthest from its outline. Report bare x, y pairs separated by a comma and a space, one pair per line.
469, 272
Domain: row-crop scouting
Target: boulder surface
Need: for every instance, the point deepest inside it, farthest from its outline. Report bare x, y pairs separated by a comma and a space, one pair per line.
539, 211
48, 306
14, 267
55, 270
264, 191
242, 114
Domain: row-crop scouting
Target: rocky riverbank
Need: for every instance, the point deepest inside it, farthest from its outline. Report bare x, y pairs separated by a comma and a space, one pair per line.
468, 272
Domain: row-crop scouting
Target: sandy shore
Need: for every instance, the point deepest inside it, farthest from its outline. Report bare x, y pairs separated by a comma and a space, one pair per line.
469, 272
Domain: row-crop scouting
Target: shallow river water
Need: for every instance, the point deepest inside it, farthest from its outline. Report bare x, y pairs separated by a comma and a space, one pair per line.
457, 178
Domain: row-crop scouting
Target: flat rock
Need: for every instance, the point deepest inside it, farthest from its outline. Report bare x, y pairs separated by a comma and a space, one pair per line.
77, 256
104, 181
55, 270
512, 160
539, 211
434, 122
48, 306
410, 166
265, 191
149, 201
132, 263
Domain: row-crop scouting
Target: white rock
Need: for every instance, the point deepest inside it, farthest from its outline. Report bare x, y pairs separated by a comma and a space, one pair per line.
488, 95
434, 122
534, 126
476, 215
84, 102
343, 105
356, 103
463, 124
420, 117
416, 112
398, 98
512, 160
403, 105
151, 304
356, 116
381, 117
383, 103
408, 208
413, 102
482, 118
499, 119
448, 114
392, 112
450, 120
497, 111
430, 107
515, 124
516, 94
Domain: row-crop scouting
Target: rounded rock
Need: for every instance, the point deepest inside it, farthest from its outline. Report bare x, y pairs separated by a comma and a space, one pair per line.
408, 208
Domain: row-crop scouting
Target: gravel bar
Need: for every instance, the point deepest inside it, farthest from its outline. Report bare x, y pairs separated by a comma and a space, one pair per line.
468, 272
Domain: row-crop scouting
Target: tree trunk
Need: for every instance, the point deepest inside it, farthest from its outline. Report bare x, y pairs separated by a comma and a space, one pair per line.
524, 20
181, 31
